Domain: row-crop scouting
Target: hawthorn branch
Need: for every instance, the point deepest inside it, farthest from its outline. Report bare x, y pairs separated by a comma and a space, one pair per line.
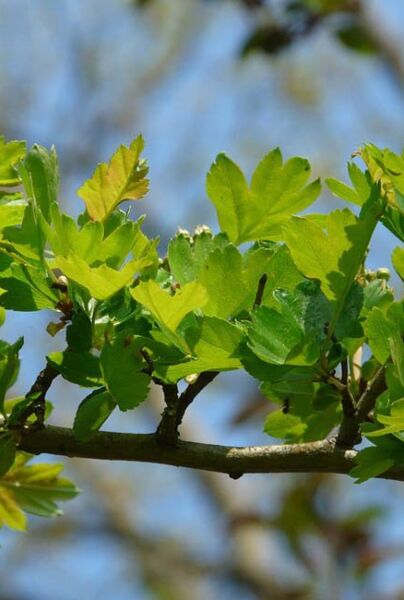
176, 405
39, 390
349, 432
312, 457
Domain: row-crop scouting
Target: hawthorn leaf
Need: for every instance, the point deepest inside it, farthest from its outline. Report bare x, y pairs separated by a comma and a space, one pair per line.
36, 489
92, 413
7, 452
40, 175
24, 288
186, 255
333, 256
9, 365
10, 513
170, 310
222, 277
397, 258
65, 237
284, 425
81, 368
372, 462
10, 154
213, 345
384, 333
26, 239
272, 336
277, 191
11, 212
101, 282
122, 369
123, 178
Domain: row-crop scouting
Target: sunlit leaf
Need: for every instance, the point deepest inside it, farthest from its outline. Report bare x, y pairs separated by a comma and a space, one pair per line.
123, 178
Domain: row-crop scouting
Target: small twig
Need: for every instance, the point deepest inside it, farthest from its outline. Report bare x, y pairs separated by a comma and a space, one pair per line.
348, 402
349, 432
38, 390
167, 433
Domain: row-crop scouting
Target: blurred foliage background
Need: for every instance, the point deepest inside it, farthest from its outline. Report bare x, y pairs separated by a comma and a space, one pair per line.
317, 78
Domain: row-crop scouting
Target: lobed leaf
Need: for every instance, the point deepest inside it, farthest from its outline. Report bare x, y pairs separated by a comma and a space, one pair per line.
123, 178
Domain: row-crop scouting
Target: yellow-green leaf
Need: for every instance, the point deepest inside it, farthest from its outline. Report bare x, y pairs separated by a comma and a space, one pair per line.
123, 178
10, 154
102, 282
170, 310
10, 513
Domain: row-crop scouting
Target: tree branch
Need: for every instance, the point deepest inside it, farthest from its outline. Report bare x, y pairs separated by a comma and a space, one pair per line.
349, 432
311, 457
38, 390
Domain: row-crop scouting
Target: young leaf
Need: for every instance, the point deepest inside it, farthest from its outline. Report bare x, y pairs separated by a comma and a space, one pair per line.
10, 154
397, 258
170, 310
81, 368
186, 255
222, 277
35, 489
122, 369
102, 282
9, 365
7, 452
123, 178
92, 413
40, 176
10, 513
214, 347
335, 256
65, 237
277, 191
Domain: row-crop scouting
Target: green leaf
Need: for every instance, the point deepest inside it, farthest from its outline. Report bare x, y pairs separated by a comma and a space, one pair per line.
333, 256
290, 333
341, 190
372, 462
79, 332
357, 37
24, 288
101, 282
65, 237
397, 258
92, 413
10, 513
10, 154
277, 191
170, 310
384, 331
11, 212
123, 178
7, 452
213, 345
26, 239
273, 336
187, 255
222, 278
122, 367
36, 489
81, 368
283, 425
9, 365
40, 176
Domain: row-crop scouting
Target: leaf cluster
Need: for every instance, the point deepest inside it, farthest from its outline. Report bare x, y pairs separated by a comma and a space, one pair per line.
287, 298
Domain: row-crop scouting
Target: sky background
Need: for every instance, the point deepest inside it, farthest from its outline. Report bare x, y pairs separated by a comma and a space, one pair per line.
86, 76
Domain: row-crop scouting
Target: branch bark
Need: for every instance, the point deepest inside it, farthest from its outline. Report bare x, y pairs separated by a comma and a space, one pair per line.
311, 457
